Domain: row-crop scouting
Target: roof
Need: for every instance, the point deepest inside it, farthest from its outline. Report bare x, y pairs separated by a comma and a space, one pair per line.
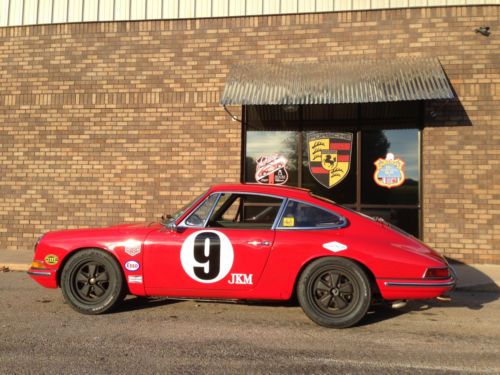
281, 190
334, 82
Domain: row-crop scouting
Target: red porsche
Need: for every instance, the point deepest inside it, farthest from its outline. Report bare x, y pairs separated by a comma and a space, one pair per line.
246, 242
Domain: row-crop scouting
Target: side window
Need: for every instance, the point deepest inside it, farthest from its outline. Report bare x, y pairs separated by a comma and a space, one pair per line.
302, 215
200, 215
245, 211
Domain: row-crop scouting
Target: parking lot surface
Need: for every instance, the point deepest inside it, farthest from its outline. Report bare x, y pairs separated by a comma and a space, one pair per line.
39, 333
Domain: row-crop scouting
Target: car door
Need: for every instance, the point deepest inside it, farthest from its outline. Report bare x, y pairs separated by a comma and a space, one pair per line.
219, 250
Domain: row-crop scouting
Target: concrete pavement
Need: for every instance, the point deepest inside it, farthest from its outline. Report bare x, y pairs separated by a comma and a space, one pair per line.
478, 277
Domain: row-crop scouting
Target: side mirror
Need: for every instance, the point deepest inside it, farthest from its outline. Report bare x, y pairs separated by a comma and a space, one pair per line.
178, 229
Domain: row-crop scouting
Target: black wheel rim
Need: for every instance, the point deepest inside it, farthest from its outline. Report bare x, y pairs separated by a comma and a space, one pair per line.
335, 292
90, 282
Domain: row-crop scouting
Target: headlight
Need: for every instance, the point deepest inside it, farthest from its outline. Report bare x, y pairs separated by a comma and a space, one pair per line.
38, 241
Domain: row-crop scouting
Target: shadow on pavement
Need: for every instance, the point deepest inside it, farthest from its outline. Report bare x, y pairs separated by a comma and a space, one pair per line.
132, 303
468, 299
473, 279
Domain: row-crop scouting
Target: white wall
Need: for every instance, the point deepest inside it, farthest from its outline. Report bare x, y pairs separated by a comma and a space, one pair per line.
29, 12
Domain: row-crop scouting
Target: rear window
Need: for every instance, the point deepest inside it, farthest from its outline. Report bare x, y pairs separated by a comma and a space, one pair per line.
303, 215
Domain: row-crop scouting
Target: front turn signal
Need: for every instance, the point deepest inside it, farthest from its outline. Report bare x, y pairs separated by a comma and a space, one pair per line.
37, 264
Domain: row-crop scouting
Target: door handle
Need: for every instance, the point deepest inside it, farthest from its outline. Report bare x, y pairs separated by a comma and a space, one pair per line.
259, 243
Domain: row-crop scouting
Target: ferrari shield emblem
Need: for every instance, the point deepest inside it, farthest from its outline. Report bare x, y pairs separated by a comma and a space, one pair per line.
329, 157
390, 171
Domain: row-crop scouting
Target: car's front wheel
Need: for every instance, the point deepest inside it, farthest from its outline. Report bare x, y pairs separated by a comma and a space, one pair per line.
334, 292
92, 282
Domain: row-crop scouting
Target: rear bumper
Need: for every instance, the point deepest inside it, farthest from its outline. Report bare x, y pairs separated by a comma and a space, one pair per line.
46, 277
415, 289
421, 284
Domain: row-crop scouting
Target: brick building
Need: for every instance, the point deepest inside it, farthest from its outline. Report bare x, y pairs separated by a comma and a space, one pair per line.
111, 111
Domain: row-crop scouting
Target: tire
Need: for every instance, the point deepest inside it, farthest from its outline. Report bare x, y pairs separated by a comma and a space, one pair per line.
334, 292
92, 282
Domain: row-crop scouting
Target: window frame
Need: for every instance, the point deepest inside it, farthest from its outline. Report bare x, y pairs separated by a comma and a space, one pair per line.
184, 223
284, 200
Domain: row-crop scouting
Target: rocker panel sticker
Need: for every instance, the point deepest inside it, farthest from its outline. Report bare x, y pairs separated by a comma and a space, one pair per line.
132, 265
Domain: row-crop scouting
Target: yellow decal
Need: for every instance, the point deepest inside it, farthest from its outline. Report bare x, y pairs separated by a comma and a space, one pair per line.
316, 146
51, 259
288, 222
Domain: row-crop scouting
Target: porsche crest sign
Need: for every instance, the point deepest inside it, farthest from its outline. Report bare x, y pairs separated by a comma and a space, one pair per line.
329, 156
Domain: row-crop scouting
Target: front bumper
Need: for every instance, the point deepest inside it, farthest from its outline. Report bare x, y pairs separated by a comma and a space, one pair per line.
46, 277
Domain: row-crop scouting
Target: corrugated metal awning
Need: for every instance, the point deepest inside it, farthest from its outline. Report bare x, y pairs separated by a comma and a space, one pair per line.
359, 81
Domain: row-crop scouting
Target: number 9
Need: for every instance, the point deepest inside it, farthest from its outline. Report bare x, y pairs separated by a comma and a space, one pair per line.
207, 256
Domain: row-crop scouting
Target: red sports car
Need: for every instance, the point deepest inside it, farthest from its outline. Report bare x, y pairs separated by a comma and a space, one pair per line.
246, 242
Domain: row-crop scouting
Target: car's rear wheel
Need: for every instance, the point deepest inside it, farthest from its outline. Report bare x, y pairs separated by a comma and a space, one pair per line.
334, 292
92, 282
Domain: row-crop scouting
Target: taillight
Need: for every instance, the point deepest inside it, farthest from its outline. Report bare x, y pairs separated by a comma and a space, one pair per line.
437, 273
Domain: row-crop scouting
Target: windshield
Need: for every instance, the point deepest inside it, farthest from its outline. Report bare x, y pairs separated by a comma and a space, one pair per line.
170, 219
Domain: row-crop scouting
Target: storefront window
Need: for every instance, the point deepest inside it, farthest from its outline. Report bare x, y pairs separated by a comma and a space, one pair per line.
271, 157
402, 186
365, 156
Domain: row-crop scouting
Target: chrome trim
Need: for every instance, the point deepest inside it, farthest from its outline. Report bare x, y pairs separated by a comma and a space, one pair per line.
280, 213
413, 284
40, 273
219, 195
186, 225
38, 241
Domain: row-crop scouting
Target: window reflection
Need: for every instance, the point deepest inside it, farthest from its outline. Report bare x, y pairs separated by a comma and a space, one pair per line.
387, 132
403, 145
271, 157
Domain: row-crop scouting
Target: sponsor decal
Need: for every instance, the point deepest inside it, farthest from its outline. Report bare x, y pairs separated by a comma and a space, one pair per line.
51, 259
329, 156
207, 256
335, 246
135, 279
132, 265
389, 172
241, 279
271, 170
132, 247
288, 222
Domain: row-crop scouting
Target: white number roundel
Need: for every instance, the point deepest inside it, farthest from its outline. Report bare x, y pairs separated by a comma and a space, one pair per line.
207, 256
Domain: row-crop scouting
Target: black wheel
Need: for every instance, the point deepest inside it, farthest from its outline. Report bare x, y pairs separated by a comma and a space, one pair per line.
334, 292
92, 282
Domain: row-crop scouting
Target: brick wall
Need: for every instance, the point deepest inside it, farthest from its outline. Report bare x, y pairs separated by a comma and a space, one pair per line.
102, 123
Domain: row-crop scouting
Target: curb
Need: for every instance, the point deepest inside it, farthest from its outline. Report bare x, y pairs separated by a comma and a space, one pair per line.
14, 267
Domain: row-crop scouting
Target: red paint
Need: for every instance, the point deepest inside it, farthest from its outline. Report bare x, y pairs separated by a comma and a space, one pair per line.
319, 170
389, 255
340, 146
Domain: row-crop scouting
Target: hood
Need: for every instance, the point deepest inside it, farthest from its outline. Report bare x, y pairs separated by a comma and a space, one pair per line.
108, 237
